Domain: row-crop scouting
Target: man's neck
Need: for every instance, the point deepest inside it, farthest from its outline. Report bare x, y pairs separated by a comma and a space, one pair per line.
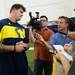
44, 27
12, 18
64, 32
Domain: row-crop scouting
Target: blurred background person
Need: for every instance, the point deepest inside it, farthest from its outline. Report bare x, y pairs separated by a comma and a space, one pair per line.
60, 38
43, 60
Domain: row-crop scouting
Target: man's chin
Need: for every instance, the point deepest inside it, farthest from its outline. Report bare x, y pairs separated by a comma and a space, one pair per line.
60, 29
18, 19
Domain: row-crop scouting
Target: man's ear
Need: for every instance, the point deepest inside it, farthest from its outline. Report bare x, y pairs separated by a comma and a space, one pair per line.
67, 25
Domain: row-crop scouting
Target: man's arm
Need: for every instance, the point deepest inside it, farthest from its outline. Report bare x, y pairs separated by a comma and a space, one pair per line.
46, 44
6, 48
21, 43
19, 47
39, 39
43, 42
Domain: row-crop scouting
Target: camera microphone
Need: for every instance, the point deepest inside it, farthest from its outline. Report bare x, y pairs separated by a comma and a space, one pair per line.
37, 15
30, 14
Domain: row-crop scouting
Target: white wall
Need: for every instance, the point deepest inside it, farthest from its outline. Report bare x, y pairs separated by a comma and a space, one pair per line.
51, 8
2, 9
70, 8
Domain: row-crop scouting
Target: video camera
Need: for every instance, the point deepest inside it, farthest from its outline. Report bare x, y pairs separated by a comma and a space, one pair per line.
34, 22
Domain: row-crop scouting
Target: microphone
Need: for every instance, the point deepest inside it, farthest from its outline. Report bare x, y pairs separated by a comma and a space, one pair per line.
30, 14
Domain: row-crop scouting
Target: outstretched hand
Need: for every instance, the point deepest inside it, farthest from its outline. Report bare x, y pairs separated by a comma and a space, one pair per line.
39, 37
68, 48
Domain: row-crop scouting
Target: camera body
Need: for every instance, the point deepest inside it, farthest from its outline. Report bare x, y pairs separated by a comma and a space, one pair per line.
34, 22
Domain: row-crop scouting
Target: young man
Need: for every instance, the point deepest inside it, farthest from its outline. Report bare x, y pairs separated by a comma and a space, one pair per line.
13, 43
60, 38
43, 60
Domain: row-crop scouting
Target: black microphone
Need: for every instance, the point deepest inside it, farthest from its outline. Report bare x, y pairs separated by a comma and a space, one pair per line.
37, 15
30, 14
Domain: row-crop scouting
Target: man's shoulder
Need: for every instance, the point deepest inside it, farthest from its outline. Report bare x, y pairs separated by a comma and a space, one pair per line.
56, 35
48, 30
3, 22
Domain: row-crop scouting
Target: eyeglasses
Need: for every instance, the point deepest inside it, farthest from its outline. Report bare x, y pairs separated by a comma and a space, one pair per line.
43, 20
